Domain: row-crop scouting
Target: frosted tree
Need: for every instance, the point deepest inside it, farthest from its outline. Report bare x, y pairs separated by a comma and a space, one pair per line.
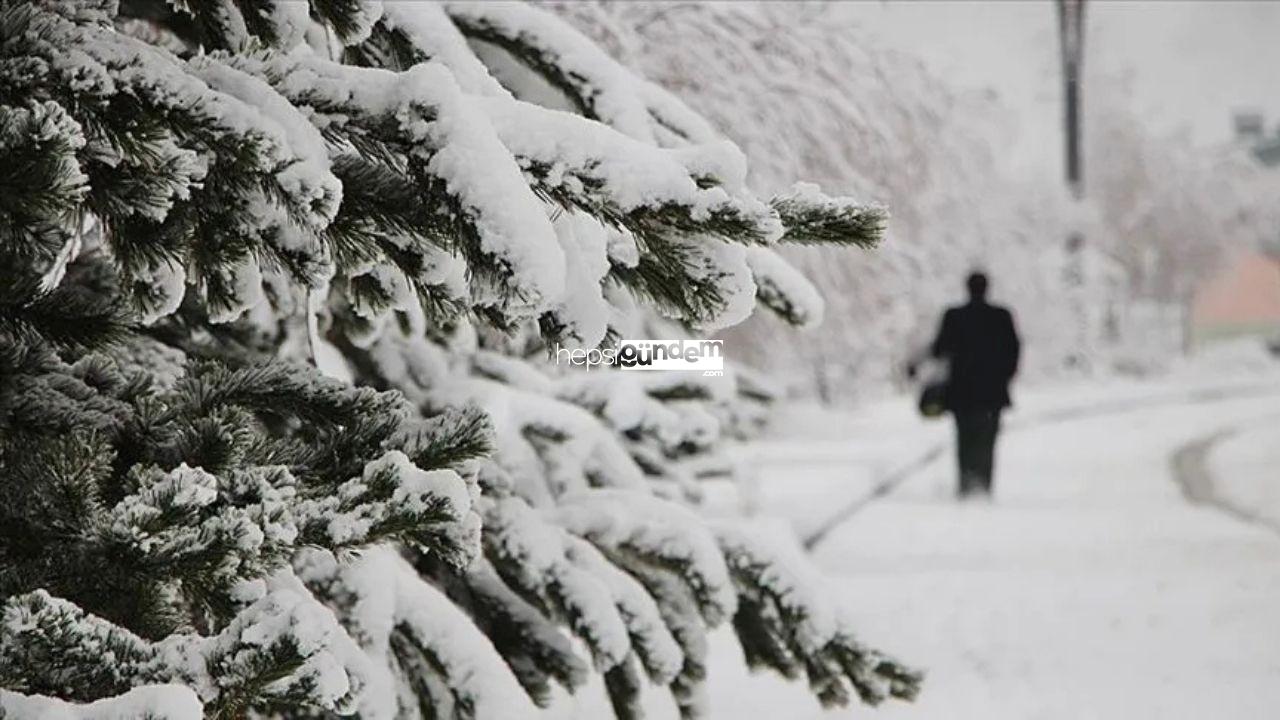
1177, 210
278, 432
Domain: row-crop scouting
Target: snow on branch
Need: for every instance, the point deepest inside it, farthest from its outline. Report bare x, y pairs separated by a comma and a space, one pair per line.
277, 650
581, 318
412, 33
785, 622
638, 527
598, 86
670, 423
651, 640
584, 164
176, 525
813, 218
532, 556
228, 25
423, 651
549, 447
419, 125
155, 702
685, 225
660, 404
532, 644
170, 206
783, 289
351, 20
393, 499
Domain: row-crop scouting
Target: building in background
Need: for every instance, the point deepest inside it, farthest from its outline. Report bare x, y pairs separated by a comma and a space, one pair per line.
1244, 299
1251, 131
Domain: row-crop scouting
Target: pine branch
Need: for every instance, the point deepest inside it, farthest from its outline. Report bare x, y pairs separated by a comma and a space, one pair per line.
811, 218
41, 184
784, 624
288, 391
446, 440
542, 60
66, 318
531, 644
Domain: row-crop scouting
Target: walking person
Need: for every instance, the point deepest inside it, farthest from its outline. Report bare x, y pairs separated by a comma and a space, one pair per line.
979, 342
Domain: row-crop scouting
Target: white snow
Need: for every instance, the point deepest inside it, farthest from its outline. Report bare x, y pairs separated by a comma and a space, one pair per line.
719, 159
777, 281
167, 282
356, 509
641, 523
158, 702
542, 471
650, 636
183, 488
727, 263
291, 19
583, 308
546, 563
369, 11
609, 86
416, 484
307, 625
388, 595
427, 26
626, 403
624, 100
480, 172
308, 181
1244, 466
800, 588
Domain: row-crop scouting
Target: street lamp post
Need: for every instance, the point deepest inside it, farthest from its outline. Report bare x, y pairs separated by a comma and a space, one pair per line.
1071, 40
1071, 43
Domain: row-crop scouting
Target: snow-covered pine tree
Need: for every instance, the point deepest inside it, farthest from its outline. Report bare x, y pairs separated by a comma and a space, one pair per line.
278, 434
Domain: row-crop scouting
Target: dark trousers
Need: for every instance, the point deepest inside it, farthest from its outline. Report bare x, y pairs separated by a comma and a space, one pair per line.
976, 430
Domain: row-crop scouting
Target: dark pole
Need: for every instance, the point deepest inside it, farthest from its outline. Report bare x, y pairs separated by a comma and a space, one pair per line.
1071, 43
1071, 40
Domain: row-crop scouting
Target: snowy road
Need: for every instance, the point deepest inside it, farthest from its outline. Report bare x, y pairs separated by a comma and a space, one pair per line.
1091, 588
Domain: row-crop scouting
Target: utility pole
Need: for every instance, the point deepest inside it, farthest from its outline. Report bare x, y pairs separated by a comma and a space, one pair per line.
1071, 41
1071, 44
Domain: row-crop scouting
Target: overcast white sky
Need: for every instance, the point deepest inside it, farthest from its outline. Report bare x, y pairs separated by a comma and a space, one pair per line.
1191, 63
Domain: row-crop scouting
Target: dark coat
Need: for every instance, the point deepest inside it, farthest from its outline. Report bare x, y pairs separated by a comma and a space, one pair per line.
981, 345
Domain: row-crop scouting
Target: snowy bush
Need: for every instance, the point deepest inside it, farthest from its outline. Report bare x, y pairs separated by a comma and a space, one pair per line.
278, 435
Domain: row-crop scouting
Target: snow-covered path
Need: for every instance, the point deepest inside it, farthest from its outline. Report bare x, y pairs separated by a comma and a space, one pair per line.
1091, 587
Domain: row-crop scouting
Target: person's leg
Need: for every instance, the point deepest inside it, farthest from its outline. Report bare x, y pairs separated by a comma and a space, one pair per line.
966, 437
987, 448
991, 450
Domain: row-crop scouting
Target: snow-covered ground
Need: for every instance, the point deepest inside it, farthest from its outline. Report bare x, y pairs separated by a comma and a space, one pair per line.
1245, 467
1090, 588
819, 461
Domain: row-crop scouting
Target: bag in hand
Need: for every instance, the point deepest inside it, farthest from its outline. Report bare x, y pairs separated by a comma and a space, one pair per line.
933, 399
932, 375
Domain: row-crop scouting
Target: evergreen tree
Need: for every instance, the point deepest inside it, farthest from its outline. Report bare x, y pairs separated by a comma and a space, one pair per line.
278, 434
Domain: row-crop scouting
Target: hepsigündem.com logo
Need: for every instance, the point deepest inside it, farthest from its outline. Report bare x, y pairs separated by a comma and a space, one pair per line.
702, 355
